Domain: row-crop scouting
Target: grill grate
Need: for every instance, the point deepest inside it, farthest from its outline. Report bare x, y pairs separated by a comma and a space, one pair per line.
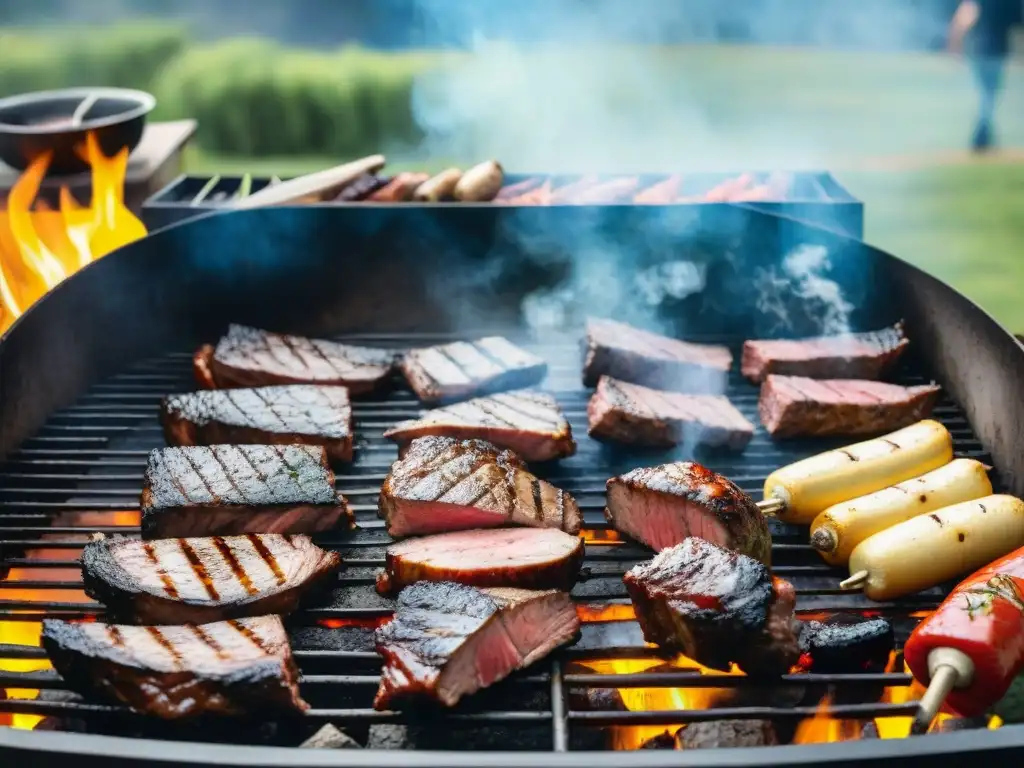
90, 458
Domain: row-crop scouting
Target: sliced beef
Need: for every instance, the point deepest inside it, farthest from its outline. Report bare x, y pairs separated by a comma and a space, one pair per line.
529, 423
249, 357
449, 640
726, 734
193, 581
636, 415
530, 558
664, 505
845, 644
443, 484
237, 667
850, 356
717, 607
465, 368
231, 489
295, 414
794, 406
641, 357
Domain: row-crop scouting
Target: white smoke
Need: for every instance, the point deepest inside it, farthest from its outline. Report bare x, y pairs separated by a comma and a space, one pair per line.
803, 275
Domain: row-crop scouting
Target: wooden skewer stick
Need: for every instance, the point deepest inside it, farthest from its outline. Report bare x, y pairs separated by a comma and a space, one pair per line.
771, 507
948, 668
312, 187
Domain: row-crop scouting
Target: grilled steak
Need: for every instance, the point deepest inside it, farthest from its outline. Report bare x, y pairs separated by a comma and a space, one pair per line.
845, 644
530, 558
194, 581
287, 415
529, 423
230, 489
465, 368
249, 357
641, 357
717, 607
661, 506
726, 734
793, 406
637, 415
442, 484
235, 667
850, 356
449, 640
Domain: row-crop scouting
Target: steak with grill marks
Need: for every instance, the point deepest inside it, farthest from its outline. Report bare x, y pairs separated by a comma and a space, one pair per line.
849, 356
232, 489
529, 423
443, 484
295, 414
641, 357
249, 357
193, 581
793, 406
637, 415
717, 607
449, 640
530, 558
237, 667
661, 506
465, 368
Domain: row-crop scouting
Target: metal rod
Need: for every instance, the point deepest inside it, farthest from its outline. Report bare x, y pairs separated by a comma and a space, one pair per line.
559, 721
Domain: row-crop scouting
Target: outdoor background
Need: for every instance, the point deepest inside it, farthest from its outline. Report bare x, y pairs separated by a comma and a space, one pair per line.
862, 88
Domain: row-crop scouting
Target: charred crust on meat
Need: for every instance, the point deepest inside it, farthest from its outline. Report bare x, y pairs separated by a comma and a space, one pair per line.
201, 367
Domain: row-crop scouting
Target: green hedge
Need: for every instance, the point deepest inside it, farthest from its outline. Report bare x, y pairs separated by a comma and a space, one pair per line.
251, 97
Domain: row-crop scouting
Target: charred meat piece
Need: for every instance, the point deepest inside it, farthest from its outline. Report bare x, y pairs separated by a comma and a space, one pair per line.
664, 505
194, 581
361, 188
294, 414
725, 734
237, 667
530, 558
466, 368
850, 356
248, 357
845, 644
443, 484
529, 423
231, 489
637, 415
716, 606
793, 406
449, 640
641, 357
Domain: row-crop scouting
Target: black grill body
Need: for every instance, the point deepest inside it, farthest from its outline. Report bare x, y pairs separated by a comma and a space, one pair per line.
82, 373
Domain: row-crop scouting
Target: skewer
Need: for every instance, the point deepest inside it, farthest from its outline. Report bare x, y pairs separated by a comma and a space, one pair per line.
771, 507
948, 668
313, 186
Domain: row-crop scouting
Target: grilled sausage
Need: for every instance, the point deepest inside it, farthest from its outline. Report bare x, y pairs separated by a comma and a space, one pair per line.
810, 486
399, 188
481, 183
438, 187
927, 550
840, 528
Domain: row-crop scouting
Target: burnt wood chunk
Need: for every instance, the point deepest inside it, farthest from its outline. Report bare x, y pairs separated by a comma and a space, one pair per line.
295, 414
233, 489
794, 406
199, 580
250, 357
463, 369
641, 357
529, 558
845, 644
725, 734
847, 356
237, 667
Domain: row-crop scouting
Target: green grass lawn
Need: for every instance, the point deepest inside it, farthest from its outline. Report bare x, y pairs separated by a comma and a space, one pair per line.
893, 127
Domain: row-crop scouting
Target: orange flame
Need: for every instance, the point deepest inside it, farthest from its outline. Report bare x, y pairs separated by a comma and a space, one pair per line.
27, 632
594, 536
38, 249
823, 728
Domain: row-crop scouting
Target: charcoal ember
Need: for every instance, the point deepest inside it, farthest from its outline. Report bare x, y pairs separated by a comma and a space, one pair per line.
953, 724
361, 187
357, 638
664, 740
330, 737
845, 644
387, 736
721, 734
869, 731
596, 700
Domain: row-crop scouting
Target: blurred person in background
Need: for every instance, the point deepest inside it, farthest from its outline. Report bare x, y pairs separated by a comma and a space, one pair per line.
981, 29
